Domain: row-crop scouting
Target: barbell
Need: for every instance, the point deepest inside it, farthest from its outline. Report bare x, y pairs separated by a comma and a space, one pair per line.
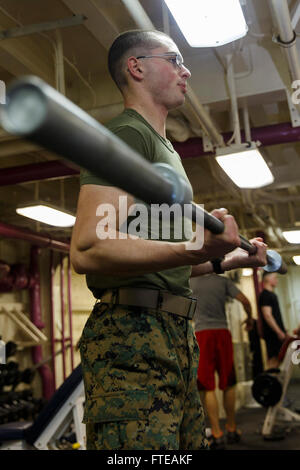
37, 112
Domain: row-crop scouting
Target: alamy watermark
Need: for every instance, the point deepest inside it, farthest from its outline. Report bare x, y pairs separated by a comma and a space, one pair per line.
296, 354
155, 222
2, 92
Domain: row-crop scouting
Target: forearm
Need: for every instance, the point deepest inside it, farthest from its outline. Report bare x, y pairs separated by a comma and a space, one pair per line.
273, 324
233, 260
128, 257
248, 310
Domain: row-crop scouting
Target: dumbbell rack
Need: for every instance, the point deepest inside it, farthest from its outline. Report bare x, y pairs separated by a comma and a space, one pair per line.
17, 405
278, 413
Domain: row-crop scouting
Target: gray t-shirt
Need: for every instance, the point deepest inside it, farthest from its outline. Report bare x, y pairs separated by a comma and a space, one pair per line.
211, 292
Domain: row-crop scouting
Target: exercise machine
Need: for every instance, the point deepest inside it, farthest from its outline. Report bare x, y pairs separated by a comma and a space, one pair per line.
65, 408
269, 390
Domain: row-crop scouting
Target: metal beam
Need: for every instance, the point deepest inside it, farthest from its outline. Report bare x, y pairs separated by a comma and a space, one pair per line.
41, 27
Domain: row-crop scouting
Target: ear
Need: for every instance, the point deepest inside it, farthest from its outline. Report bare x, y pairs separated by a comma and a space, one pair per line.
135, 68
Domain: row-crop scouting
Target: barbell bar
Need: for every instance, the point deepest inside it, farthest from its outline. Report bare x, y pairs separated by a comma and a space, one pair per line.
37, 112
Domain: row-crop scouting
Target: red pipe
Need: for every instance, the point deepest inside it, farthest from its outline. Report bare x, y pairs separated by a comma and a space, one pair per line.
42, 241
36, 172
267, 135
52, 325
70, 312
62, 306
36, 318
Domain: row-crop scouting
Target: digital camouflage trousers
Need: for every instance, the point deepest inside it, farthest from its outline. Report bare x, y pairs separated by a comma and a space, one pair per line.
140, 375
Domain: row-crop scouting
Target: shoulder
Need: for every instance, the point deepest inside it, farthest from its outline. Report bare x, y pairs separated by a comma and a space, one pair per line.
129, 122
133, 131
266, 297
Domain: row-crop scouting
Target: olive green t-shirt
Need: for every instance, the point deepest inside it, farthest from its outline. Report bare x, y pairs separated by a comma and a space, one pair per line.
132, 128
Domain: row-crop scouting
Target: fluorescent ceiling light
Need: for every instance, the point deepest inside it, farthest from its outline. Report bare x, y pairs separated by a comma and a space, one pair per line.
209, 23
244, 165
292, 236
44, 212
296, 259
247, 272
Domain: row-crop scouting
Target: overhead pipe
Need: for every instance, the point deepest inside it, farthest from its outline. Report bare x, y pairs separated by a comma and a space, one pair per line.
287, 36
247, 128
59, 63
42, 241
36, 172
233, 99
268, 135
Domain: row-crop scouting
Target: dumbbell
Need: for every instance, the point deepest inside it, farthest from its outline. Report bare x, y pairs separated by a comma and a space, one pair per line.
9, 373
17, 410
267, 388
10, 349
9, 397
9, 413
3, 415
28, 375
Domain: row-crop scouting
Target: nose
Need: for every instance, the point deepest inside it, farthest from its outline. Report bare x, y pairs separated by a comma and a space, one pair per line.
184, 72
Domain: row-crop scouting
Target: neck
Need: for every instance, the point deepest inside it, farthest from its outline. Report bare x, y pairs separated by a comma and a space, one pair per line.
155, 114
268, 287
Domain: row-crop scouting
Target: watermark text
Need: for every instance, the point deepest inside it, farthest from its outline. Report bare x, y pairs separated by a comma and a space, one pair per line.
155, 222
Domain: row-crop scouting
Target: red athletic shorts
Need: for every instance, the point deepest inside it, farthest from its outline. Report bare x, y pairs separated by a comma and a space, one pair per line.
216, 354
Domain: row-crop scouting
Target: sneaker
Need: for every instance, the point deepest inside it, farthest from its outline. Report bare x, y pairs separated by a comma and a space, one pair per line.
216, 443
233, 437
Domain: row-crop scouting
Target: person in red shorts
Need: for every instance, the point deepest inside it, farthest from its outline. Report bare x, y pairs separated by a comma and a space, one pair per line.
216, 351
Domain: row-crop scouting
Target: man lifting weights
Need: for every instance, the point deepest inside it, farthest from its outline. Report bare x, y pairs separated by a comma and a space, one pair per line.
138, 349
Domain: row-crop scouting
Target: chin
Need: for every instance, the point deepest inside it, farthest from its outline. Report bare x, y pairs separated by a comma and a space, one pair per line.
176, 104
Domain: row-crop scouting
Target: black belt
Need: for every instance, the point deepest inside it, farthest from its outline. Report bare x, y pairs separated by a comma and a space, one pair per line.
150, 298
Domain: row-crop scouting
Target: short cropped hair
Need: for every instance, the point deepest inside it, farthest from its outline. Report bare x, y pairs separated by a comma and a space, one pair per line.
266, 273
131, 43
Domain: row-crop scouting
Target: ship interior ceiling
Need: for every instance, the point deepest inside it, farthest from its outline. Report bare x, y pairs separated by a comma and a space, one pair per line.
237, 92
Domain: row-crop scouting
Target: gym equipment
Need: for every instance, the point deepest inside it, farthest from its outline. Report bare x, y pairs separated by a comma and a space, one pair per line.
10, 349
11, 375
269, 390
63, 408
39, 113
15, 406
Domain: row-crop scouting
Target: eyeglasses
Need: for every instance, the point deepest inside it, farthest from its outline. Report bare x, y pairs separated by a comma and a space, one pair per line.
175, 59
